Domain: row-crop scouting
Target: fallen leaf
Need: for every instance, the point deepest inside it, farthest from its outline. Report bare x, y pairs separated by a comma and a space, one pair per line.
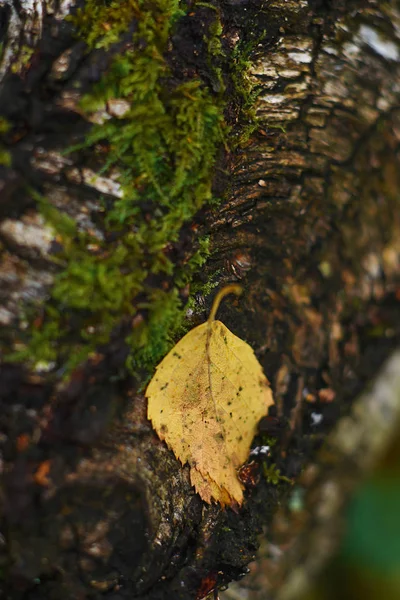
23, 442
41, 477
205, 401
208, 584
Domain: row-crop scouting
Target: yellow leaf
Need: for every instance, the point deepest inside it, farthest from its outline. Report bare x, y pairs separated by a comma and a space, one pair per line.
205, 401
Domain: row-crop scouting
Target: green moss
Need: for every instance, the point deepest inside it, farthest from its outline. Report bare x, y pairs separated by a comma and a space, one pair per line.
273, 475
22, 59
246, 92
152, 340
101, 23
42, 341
5, 157
215, 52
4, 125
164, 149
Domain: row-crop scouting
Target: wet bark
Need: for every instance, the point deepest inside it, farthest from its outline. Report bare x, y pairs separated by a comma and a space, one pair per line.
93, 504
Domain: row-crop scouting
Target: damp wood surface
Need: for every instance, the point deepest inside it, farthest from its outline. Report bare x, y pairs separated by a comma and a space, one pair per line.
95, 291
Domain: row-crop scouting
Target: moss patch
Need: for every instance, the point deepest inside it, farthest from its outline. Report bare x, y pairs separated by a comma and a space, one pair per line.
164, 149
5, 156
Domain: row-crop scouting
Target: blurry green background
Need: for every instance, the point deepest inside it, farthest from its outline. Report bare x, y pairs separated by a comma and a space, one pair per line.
367, 566
367, 563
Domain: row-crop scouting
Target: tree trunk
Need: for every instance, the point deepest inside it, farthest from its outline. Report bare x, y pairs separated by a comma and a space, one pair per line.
115, 120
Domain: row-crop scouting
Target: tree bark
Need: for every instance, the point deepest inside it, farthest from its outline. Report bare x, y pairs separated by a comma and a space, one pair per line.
93, 504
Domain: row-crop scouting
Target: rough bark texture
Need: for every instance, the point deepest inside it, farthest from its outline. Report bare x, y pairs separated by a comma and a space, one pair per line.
93, 504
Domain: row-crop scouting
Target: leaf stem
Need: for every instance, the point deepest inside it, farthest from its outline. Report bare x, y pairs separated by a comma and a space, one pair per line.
233, 288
